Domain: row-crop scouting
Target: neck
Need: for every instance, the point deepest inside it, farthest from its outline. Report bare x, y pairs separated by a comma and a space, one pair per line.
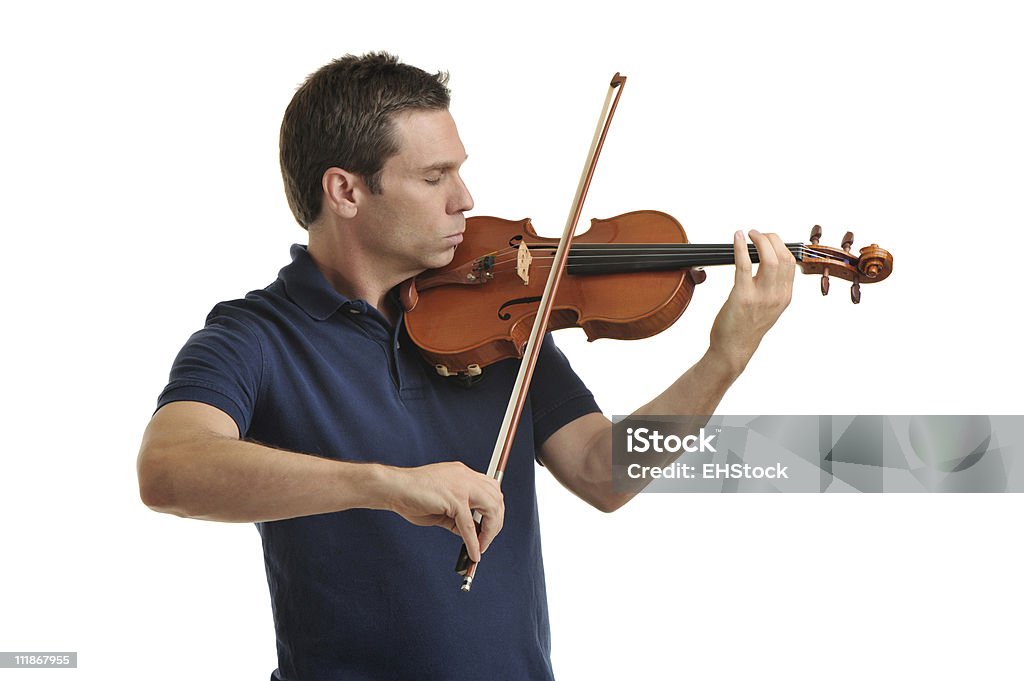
351, 275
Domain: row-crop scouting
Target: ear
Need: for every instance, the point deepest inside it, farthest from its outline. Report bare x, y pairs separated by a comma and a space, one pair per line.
341, 192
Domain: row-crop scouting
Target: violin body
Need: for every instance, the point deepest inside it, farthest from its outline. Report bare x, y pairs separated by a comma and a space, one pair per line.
480, 308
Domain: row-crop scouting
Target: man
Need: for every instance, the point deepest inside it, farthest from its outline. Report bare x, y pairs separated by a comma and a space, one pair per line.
305, 409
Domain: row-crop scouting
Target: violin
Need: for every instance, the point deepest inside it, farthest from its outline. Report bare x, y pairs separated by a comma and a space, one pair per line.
627, 277
630, 276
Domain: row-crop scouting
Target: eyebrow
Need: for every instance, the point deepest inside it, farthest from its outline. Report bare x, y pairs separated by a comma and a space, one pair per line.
443, 165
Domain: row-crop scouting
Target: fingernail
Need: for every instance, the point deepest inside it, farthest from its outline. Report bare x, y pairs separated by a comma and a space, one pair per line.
738, 234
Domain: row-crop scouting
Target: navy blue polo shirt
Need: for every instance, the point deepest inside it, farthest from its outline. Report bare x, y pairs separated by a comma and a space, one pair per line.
364, 594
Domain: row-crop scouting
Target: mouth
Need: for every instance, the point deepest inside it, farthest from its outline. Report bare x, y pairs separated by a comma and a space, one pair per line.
454, 239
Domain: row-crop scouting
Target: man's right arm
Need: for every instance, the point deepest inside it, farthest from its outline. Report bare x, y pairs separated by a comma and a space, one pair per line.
193, 464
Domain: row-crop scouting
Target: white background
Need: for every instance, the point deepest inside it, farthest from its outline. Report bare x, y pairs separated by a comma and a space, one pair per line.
140, 186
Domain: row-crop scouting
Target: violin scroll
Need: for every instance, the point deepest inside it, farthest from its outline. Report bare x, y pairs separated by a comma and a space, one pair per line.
875, 263
872, 265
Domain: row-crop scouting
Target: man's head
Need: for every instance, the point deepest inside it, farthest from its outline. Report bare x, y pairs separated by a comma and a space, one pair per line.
343, 117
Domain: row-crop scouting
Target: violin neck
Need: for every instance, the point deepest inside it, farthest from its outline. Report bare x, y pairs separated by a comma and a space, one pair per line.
614, 258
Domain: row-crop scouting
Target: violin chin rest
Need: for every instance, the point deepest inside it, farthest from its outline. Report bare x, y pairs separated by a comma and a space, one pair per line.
408, 296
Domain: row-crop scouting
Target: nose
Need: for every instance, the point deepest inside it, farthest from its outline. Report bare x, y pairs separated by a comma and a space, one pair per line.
461, 200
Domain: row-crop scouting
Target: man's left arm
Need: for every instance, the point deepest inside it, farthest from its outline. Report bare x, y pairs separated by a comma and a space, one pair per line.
579, 454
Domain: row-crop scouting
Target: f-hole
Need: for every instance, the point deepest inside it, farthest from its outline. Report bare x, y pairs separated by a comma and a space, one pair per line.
505, 316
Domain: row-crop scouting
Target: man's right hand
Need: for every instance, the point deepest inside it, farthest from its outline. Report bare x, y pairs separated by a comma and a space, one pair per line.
192, 463
446, 494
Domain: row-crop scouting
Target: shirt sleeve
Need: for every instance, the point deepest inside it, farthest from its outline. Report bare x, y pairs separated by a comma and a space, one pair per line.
221, 365
558, 395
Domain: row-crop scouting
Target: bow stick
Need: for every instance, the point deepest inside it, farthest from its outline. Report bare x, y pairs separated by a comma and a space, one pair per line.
503, 445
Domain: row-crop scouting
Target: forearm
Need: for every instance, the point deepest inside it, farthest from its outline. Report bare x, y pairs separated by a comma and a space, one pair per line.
699, 390
215, 477
580, 454
695, 395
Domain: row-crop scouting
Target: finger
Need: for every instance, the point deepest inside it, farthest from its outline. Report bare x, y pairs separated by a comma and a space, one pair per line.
782, 276
467, 529
491, 525
488, 501
769, 262
782, 252
742, 257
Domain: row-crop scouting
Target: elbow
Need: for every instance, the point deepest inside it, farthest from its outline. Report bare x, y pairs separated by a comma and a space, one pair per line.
610, 507
609, 502
156, 484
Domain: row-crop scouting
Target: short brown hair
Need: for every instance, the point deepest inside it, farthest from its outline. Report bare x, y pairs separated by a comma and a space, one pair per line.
342, 117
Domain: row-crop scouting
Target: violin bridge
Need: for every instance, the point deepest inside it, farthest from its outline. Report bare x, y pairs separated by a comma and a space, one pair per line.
523, 260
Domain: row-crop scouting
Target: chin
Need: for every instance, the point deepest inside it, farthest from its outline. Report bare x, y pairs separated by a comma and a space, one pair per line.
440, 260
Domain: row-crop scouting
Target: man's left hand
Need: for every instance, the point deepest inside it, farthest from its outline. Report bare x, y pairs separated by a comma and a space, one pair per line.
756, 301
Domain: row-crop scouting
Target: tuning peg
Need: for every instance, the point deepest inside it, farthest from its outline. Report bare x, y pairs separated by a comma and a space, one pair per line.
824, 282
855, 291
816, 234
847, 241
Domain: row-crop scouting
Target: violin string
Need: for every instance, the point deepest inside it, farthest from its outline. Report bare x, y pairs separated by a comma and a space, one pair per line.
596, 250
669, 263
646, 252
547, 266
582, 253
671, 248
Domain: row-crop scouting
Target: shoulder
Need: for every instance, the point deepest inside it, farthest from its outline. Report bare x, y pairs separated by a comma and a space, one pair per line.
253, 317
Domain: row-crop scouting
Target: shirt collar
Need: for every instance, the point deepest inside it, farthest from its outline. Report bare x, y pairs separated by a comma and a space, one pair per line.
307, 287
